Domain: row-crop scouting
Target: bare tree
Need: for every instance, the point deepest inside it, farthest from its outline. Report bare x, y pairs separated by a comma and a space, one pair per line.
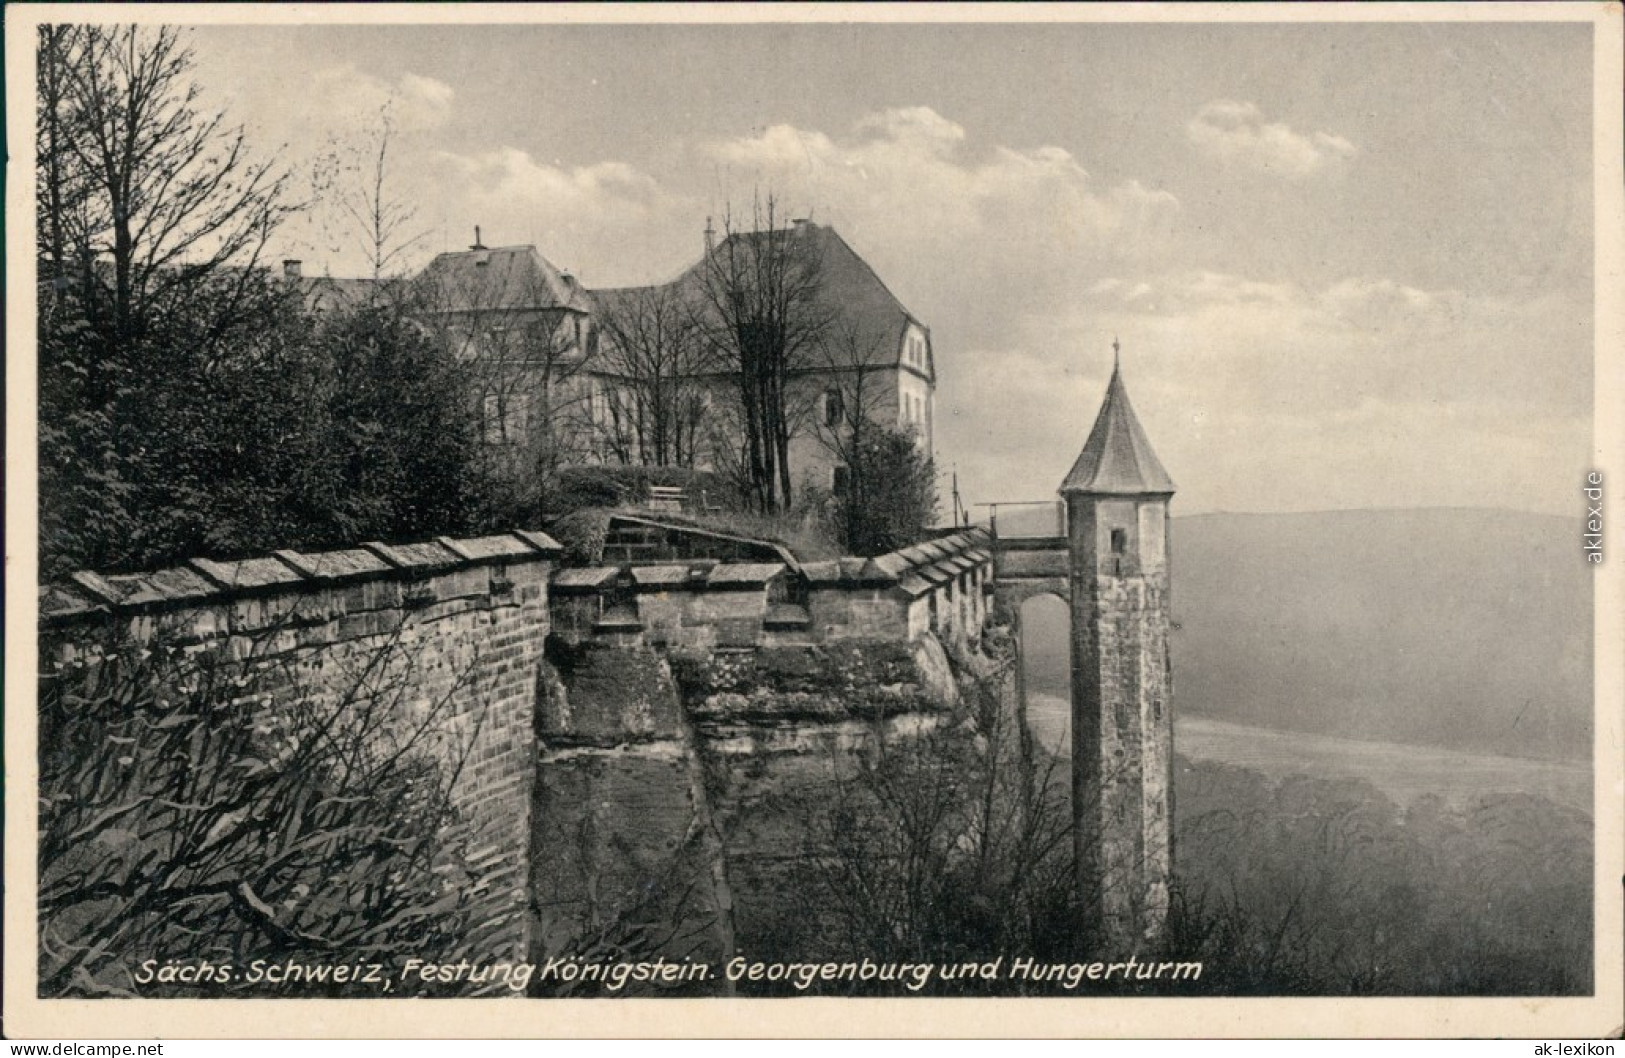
763, 317
652, 348
190, 809
356, 177
855, 396
62, 186
886, 497
152, 219
133, 171
524, 358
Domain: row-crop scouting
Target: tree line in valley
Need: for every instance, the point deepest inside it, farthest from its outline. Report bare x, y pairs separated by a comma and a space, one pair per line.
193, 401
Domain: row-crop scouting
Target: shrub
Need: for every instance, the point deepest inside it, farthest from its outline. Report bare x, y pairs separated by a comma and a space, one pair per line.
891, 494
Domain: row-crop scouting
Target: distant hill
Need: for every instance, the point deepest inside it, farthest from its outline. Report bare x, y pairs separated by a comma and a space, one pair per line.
1463, 628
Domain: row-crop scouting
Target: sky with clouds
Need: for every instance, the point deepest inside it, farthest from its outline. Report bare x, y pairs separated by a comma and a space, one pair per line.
1350, 265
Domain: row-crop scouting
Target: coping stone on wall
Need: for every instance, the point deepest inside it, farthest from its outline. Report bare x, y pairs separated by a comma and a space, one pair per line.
202, 581
825, 572
744, 575
335, 565
915, 586
426, 557
585, 580
246, 575
892, 565
661, 578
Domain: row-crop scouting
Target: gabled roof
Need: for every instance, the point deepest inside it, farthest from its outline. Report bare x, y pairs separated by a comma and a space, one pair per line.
1117, 459
329, 293
856, 296
849, 293
504, 279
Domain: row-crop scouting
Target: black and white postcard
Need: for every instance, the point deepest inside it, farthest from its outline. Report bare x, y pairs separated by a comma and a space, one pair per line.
814, 520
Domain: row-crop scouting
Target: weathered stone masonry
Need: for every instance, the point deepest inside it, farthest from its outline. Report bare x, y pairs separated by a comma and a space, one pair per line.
468, 619
626, 721
939, 586
698, 706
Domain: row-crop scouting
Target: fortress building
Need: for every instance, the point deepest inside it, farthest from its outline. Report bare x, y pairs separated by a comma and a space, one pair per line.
633, 375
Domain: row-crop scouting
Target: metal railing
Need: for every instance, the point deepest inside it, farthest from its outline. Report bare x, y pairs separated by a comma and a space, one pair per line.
1058, 506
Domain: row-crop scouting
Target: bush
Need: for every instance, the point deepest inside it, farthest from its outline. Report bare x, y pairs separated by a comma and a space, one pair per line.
287, 431
891, 495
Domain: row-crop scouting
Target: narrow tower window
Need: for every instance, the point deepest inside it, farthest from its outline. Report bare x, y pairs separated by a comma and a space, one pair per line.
1119, 541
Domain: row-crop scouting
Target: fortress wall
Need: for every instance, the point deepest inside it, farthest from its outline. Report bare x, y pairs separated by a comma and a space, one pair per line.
453, 630
705, 720
646, 744
940, 586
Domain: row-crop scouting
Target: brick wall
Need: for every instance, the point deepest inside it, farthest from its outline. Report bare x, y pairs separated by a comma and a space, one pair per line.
593, 765
460, 623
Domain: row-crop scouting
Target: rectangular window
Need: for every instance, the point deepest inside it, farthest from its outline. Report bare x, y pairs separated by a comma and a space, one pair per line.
834, 408
841, 481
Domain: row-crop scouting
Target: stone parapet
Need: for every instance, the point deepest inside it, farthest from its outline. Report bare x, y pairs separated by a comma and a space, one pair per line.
453, 630
205, 582
939, 586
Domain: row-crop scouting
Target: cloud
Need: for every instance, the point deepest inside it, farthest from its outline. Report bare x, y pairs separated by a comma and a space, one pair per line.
968, 224
344, 98
1236, 133
514, 175
1269, 394
600, 219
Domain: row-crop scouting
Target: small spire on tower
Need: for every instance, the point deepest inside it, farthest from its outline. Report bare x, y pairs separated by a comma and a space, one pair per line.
1117, 350
1117, 459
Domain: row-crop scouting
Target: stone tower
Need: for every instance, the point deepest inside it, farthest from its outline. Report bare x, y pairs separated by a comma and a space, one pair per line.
1117, 497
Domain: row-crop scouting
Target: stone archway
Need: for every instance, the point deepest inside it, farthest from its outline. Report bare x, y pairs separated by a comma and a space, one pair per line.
1041, 633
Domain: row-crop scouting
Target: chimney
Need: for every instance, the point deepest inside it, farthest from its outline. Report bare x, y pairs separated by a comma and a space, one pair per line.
477, 244
293, 268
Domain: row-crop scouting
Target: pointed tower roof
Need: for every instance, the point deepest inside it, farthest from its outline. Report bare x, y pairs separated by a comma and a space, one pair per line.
1117, 459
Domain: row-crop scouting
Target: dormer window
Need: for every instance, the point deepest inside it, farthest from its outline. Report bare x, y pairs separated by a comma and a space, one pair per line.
914, 351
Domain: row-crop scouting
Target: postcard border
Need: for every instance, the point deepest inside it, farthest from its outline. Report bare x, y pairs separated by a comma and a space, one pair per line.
1599, 1015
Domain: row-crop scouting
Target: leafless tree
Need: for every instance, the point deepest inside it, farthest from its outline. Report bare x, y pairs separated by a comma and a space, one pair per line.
855, 396
133, 173
763, 317
366, 212
652, 346
524, 360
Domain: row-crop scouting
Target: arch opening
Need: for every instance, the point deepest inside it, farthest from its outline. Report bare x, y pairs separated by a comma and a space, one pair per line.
1046, 670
